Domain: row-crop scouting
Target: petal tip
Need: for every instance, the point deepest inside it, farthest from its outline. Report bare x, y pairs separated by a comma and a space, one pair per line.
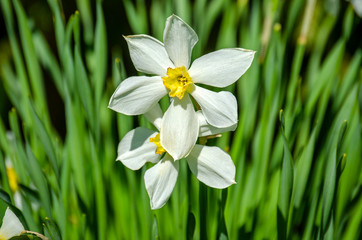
247, 50
252, 52
127, 37
173, 16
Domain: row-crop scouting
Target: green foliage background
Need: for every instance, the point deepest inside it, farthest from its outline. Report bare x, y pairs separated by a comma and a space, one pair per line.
298, 169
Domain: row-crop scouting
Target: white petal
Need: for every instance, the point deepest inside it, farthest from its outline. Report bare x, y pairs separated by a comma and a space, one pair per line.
212, 166
154, 115
206, 129
219, 108
180, 128
179, 39
136, 95
148, 55
135, 148
357, 5
221, 68
11, 225
160, 181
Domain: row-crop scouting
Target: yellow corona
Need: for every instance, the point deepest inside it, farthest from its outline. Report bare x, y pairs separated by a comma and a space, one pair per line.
178, 81
157, 142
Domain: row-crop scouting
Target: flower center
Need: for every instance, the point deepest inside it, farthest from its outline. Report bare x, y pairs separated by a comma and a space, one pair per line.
157, 142
178, 81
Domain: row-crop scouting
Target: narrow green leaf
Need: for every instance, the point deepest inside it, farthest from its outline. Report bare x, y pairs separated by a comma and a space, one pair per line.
39, 179
353, 230
341, 134
66, 56
86, 16
348, 22
99, 190
32, 63
48, 60
297, 64
45, 139
350, 77
285, 185
16, 151
303, 169
4, 176
331, 182
75, 126
333, 61
136, 15
83, 87
12, 87
58, 25
100, 54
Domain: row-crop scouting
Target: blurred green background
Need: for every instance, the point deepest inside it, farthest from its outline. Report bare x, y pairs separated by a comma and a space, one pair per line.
298, 169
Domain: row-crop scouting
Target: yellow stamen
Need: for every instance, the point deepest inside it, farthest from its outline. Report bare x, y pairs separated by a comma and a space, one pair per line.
156, 140
178, 81
13, 179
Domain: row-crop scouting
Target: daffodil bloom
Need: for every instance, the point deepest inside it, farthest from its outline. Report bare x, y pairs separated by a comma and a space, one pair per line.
210, 165
170, 63
11, 226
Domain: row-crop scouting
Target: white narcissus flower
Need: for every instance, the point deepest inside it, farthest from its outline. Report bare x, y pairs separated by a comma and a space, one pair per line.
11, 226
210, 165
170, 62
